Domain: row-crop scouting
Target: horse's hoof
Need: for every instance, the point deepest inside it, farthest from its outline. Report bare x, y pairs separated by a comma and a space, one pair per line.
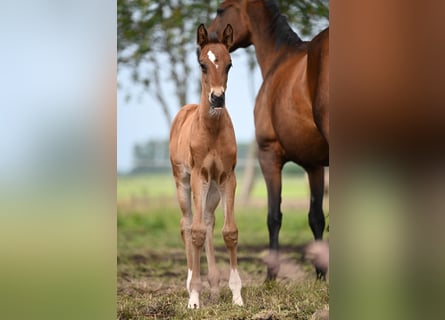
270, 280
192, 305
194, 300
238, 301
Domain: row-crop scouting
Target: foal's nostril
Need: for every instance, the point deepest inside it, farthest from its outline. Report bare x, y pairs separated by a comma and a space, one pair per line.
217, 101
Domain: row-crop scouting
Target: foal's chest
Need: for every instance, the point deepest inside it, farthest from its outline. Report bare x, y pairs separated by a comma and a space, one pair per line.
216, 163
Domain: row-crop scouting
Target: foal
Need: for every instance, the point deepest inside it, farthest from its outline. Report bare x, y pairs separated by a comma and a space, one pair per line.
203, 158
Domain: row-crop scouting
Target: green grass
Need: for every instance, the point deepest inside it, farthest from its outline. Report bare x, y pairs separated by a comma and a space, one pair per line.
159, 228
162, 185
155, 185
152, 266
279, 301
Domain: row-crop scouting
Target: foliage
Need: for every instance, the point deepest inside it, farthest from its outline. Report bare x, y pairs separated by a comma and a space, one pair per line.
304, 15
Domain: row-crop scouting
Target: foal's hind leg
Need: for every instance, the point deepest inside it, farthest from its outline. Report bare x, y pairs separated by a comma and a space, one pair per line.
230, 234
316, 216
209, 218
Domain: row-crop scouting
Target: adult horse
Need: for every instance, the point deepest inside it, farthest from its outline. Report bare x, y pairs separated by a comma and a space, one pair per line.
291, 108
203, 159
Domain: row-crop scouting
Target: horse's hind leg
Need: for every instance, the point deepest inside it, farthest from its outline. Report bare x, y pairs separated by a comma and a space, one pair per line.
209, 218
230, 234
316, 216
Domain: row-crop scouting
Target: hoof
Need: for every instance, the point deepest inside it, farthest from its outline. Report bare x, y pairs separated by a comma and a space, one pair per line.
238, 301
273, 265
194, 300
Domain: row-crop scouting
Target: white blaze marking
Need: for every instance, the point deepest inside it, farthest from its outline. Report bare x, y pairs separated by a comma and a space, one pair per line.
212, 58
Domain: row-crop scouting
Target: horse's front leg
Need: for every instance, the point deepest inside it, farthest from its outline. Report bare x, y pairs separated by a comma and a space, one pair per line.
230, 235
316, 215
271, 165
200, 188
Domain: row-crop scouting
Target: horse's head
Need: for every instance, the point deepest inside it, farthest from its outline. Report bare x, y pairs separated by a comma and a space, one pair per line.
215, 62
234, 13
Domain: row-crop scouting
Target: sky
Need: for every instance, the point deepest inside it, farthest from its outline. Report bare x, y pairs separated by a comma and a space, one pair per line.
53, 57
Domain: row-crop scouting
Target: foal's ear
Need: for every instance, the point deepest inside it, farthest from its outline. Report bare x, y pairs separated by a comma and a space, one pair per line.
227, 38
202, 37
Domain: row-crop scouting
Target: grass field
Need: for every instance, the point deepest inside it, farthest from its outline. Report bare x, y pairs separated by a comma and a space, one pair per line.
162, 185
151, 259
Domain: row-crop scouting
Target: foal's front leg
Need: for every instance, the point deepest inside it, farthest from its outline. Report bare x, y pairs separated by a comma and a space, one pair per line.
213, 198
200, 189
230, 234
183, 191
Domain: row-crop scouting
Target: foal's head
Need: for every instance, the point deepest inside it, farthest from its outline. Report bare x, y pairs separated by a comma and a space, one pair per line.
215, 62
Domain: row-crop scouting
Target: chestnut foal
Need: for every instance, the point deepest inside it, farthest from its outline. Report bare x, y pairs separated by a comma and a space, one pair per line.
203, 158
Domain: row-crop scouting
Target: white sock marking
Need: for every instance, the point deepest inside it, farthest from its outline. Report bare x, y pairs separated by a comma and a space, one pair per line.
189, 278
235, 285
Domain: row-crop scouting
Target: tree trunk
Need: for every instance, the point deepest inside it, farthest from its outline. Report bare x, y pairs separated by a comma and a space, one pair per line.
249, 173
159, 94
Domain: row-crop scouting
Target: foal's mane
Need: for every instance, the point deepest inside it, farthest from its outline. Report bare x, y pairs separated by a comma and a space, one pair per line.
280, 28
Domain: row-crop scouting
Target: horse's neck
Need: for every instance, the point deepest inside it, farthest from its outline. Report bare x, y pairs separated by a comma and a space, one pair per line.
266, 56
265, 42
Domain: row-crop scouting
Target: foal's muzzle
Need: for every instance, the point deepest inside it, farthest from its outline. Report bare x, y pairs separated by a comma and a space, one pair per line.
217, 101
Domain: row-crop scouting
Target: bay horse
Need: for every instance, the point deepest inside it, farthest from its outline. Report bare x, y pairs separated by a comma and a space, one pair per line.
291, 109
203, 158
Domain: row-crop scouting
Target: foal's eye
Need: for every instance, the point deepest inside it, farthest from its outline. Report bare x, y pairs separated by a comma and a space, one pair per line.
203, 67
228, 67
